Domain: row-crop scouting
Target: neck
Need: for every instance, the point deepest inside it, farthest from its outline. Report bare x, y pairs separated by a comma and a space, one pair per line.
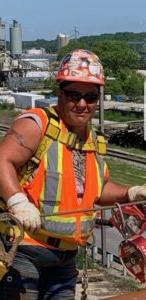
80, 132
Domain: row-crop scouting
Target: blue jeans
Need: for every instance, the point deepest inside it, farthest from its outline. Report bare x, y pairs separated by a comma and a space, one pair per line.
38, 273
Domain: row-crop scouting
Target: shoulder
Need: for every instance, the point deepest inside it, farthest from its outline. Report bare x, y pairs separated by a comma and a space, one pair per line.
38, 115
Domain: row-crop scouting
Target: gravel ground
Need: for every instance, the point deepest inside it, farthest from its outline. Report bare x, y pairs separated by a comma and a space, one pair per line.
105, 284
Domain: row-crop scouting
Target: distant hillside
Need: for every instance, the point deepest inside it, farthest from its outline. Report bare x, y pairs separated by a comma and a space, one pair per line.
135, 40
123, 36
49, 46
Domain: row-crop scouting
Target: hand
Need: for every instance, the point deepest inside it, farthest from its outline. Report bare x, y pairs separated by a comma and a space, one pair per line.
24, 211
137, 193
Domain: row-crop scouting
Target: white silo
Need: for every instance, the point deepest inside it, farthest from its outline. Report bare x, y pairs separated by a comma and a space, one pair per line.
63, 40
2, 36
15, 39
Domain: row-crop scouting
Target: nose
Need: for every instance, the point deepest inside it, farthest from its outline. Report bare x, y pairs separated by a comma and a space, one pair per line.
82, 103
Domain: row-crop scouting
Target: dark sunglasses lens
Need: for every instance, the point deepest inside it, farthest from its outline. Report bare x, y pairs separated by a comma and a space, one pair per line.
91, 97
77, 96
73, 95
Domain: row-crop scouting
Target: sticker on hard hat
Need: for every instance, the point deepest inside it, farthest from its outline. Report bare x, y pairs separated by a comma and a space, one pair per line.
82, 65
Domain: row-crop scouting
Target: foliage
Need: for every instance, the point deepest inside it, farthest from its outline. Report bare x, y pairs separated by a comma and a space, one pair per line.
133, 85
5, 105
116, 55
135, 40
120, 53
121, 116
125, 284
49, 46
7, 113
80, 259
113, 87
50, 84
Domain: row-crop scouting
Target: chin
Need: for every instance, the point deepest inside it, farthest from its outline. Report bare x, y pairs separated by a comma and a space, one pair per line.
80, 124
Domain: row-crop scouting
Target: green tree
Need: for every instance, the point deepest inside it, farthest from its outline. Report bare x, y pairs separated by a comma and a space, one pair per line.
113, 87
51, 84
116, 55
134, 84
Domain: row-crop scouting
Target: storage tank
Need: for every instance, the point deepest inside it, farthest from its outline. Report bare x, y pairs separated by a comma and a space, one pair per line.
2, 36
15, 39
62, 39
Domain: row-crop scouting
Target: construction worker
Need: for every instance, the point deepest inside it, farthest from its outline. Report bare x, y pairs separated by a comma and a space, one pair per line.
51, 166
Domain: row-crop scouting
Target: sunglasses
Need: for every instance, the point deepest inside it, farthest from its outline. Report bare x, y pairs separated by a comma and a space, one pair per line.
77, 96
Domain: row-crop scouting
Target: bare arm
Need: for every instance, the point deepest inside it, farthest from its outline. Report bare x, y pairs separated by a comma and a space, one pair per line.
113, 192
16, 149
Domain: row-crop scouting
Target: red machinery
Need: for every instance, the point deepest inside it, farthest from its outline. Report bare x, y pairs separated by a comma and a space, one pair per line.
131, 223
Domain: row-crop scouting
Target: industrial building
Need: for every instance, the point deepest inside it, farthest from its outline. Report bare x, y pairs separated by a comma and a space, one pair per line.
2, 36
15, 40
18, 69
62, 40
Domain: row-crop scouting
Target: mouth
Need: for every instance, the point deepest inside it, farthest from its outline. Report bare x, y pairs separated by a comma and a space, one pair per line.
80, 113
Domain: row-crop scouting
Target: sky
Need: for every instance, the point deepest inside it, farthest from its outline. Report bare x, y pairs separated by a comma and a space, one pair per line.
44, 19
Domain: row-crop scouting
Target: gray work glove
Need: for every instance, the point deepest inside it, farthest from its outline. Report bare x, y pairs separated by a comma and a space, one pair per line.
25, 211
137, 193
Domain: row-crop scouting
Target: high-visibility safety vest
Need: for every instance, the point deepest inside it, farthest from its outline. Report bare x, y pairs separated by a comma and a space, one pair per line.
53, 188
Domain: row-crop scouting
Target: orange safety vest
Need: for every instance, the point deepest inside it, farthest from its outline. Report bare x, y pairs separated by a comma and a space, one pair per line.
53, 190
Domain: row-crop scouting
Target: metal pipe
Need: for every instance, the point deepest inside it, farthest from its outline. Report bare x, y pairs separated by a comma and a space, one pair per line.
78, 211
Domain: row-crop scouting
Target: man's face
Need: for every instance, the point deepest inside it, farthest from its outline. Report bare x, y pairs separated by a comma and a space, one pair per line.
77, 104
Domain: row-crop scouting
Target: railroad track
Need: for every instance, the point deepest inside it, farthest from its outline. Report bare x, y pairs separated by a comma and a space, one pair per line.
125, 156
112, 125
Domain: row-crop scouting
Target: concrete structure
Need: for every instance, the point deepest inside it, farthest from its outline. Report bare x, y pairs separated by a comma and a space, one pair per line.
34, 51
40, 63
125, 106
62, 39
15, 39
38, 74
142, 72
29, 100
26, 100
46, 102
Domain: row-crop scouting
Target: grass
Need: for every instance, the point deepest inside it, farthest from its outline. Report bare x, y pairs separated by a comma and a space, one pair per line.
91, 264
7, 115
121, 116
126, 284
126, 174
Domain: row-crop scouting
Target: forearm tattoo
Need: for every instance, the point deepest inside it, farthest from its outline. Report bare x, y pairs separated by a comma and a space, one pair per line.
19, 138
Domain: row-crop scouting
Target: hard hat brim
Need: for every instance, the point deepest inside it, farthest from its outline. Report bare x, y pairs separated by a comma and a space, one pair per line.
81, 79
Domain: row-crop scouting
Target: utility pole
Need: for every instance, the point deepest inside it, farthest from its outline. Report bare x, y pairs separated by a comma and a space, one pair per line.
76, 33
103, 212
101, 110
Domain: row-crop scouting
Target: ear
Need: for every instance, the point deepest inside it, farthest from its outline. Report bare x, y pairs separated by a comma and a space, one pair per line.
59, 92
